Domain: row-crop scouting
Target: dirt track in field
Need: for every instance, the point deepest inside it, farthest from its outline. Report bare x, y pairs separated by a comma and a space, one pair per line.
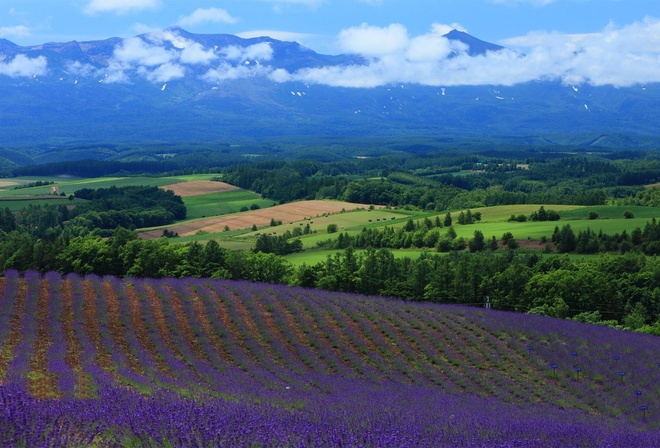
295, 211
199, 187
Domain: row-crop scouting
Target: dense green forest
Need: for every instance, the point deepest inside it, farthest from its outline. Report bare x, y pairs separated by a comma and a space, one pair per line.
621, 287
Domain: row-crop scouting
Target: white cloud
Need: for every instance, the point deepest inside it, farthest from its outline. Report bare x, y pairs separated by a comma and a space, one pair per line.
374, 41
208, 15
158, 37
195, 54
163, 73
14, 31
155, 63
23, 66
260, 52
134, 54
442, 28
225, 72
135, 50
119, 6
428, 47
619, 56
78, 69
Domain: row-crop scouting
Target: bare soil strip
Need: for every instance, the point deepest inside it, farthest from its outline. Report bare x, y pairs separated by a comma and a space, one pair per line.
14, 337
84, 385
116, 328
199, 187
42, 383
93, 327
205, 322
184, 324
141, 331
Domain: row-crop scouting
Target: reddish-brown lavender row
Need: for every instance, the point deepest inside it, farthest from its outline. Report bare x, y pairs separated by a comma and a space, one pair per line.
298, 359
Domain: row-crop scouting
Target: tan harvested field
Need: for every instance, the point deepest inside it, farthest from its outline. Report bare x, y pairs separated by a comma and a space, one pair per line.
199, 187
295, 211
7, 183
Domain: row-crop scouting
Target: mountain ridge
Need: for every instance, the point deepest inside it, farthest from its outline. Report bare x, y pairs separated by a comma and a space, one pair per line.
173, 85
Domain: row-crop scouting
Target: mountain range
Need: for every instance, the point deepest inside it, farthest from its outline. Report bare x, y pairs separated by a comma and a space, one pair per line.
175, 86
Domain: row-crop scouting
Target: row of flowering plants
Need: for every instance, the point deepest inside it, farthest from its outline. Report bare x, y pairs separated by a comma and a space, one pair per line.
104, 361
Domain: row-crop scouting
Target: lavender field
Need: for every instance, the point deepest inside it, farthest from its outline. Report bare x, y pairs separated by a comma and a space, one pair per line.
103, 361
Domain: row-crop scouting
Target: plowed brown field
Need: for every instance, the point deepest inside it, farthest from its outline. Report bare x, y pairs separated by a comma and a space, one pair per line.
295, 211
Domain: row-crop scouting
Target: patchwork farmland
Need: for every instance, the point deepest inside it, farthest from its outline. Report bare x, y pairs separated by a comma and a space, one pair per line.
295, 211
103, 361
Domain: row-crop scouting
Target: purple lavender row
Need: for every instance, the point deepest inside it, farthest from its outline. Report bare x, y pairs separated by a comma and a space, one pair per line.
253, 299
310, 347
156, 378
569, 346
247, 372
57, 351
356, 415
280, 375
7, 300
223, 377
283, 319
19, 366
98, 376
367, 342
183, 377
206, 374
109, 345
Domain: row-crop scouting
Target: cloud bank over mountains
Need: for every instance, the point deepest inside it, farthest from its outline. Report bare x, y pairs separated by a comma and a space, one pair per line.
618, 56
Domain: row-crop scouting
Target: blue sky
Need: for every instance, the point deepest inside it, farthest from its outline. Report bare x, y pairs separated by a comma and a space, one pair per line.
614, 42
314, 23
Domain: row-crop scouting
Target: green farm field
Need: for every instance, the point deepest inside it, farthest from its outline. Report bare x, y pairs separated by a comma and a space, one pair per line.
216, 204
69, 186
222, 203
494, 223
610, 221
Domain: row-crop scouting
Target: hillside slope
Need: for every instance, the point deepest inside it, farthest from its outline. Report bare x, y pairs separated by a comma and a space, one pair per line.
211, 361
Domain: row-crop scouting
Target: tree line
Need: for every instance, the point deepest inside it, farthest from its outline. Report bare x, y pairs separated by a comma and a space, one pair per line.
618, 290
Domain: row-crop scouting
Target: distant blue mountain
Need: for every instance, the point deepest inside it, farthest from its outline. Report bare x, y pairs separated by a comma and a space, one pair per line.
177, 86
475, 46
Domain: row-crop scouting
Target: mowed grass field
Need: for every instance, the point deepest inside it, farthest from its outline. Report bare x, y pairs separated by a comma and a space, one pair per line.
223, 203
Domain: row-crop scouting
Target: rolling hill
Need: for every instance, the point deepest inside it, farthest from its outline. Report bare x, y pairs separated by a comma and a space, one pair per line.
107, 361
